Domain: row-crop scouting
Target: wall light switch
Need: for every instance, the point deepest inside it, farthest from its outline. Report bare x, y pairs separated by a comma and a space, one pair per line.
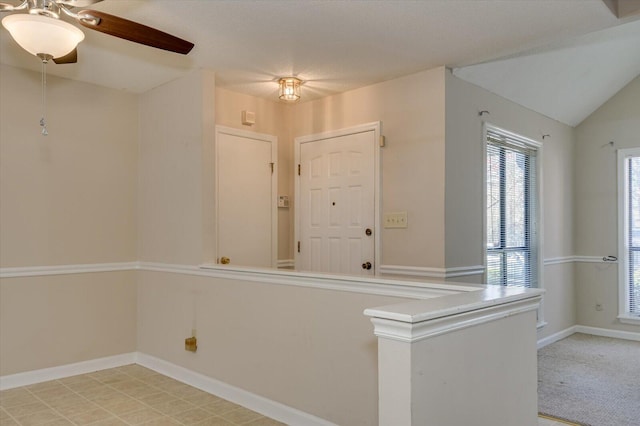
395, 220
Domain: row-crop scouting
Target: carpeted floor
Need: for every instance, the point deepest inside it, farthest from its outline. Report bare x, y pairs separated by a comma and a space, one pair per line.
590, 380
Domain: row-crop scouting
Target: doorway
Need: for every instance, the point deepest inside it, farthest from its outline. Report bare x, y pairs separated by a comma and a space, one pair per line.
338, 193
246, 198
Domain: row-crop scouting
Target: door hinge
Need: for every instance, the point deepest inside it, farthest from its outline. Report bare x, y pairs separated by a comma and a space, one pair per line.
299, 169
298, 246
383, 142
272, 164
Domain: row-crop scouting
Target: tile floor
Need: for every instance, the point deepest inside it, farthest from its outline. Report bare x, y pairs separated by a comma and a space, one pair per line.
129, 395
542, 421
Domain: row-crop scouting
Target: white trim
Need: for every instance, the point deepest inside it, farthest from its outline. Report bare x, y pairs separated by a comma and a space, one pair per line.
629, 319
36, 271
273, 141
605, 332
286, 263
559, 260
594, 331
538, 216
426, 272
623, 248
415, 271
411, 332
545, 341
354, 284
267, 407
577, 259
592, 259
376, 128
53, 373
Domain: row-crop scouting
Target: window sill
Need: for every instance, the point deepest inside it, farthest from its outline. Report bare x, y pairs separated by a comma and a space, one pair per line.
629, 319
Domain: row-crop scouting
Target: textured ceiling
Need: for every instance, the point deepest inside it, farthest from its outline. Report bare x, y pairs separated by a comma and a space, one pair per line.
333, 45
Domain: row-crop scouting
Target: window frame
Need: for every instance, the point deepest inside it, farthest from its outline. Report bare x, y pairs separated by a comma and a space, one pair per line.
624, 314
537, 216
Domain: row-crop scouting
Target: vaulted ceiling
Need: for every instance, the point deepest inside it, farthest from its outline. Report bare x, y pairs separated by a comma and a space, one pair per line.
560, 58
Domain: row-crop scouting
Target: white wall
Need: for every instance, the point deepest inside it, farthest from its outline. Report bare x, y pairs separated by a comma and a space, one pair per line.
596, 226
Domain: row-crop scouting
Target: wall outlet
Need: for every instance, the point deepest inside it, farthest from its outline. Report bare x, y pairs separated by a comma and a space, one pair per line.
395, 220
190, 344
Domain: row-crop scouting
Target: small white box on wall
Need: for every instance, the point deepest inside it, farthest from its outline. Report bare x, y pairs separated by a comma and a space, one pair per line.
248, 118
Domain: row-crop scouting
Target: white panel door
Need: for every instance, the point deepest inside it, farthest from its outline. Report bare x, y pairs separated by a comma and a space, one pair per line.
246, 198
336, 207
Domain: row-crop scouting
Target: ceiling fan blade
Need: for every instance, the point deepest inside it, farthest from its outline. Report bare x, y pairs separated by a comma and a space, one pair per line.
69, 58
132, 31
8, 7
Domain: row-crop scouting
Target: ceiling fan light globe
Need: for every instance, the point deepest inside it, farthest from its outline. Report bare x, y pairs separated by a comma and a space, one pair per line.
42, 35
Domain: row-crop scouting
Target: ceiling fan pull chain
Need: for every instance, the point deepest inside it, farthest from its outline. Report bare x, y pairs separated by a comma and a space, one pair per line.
43, 123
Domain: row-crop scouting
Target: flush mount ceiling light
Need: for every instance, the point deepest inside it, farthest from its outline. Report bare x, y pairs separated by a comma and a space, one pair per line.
41, 35
289, 88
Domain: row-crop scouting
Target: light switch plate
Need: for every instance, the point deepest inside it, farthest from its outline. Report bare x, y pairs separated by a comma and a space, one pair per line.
395, 220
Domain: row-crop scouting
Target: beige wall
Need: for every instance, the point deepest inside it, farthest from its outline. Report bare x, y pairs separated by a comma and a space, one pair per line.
272, 118
465, 163
63, 319
412, 113
65, 199
596, 227
464, 188
69, 197
124, 178
307, 348
175, 197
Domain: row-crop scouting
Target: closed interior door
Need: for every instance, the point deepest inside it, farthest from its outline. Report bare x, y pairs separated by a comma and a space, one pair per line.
246, 199
337, 215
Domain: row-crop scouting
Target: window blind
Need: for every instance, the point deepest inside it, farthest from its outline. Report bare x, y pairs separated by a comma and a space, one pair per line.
633, 237
512, 256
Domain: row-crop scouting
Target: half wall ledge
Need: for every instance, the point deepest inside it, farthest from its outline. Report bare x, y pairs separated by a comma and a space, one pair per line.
466, 358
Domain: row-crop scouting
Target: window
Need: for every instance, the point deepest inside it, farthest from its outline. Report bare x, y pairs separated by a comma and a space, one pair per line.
629, 233
512, 214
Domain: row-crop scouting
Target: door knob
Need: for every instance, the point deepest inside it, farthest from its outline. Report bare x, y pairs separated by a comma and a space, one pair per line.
225, 260
368, 231
366, 265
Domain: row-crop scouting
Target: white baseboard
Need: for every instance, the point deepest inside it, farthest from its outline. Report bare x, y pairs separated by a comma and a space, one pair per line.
267, 407
53, 373
556, 336
264, 406
605, 332
595, 331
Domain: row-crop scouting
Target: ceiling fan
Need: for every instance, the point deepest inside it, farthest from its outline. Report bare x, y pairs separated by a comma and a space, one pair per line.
43, 29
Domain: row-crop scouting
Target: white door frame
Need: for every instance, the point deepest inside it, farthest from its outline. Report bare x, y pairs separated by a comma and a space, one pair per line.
274, 185
376, 127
